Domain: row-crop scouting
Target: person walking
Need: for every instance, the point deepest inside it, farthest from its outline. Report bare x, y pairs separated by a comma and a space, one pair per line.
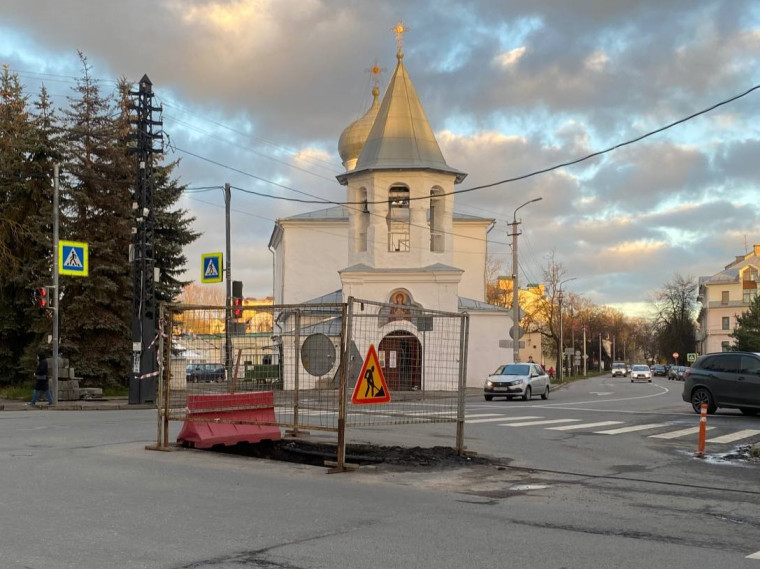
41, 381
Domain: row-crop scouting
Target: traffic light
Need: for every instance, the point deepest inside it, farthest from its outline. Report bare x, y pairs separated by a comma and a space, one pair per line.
237, 299
42, 297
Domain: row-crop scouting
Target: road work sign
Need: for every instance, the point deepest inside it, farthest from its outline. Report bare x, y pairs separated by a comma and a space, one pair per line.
73, 259
211, 268
370, 386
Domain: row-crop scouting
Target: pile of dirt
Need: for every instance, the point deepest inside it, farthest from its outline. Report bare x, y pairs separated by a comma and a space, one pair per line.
315, 454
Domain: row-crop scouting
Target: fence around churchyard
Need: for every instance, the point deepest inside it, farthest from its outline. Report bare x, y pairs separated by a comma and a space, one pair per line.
310, 357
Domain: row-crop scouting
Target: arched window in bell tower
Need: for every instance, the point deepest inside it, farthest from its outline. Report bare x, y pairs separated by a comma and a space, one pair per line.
436, 220
363, 222
398, 219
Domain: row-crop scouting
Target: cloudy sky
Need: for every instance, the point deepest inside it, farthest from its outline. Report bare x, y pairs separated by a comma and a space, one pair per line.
257, 92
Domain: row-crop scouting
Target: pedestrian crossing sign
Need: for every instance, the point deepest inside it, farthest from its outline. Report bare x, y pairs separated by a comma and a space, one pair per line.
370, 386
211, 268
73, 259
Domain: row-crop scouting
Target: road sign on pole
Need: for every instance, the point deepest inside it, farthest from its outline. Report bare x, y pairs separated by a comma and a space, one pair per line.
73, 258
211, 268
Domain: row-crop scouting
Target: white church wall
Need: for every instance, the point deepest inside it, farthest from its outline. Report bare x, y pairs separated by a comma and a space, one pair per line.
434, 295
470, 253
483, 353
315, 252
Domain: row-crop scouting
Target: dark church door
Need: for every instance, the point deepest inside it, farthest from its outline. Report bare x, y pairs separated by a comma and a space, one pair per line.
400, 356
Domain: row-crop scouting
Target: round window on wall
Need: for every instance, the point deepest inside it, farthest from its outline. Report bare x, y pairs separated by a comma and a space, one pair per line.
318, 354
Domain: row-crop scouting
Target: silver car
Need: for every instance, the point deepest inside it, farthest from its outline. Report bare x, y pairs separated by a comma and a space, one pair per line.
641, 372
517, 380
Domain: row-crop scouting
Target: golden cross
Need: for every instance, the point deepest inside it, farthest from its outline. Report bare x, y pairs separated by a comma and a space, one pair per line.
376, 70
399, 29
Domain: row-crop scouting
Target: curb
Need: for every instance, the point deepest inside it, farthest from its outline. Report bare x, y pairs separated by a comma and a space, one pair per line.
117, 405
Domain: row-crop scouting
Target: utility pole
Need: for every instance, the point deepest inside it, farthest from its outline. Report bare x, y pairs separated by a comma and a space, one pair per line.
55, 296
600, 353
560, 371
571, 367
228, 276
144, 379
516, 330
561, 366
585, 356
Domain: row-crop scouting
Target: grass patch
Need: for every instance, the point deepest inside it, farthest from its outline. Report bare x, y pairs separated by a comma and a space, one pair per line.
115, 391
16, 392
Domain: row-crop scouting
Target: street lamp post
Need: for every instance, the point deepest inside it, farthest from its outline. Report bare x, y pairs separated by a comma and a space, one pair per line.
561, 367
515, 289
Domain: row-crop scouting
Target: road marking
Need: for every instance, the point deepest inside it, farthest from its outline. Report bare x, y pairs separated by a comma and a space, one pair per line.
755, 555
676, 434
531, 423
415, 413
584, 426
734, 436
600, 393
631, 429
483, 415
502, 418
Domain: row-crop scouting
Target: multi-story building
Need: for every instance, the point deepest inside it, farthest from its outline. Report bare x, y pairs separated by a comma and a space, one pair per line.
724, 296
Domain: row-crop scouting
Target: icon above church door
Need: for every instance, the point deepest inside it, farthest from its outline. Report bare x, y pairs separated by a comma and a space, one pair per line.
401, 311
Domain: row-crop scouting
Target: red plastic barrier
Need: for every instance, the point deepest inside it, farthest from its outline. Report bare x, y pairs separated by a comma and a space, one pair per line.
250, 407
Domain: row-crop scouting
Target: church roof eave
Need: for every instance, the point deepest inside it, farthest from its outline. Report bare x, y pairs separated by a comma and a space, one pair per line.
458, 175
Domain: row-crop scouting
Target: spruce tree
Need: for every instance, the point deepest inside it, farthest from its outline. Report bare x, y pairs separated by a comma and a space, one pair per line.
27, 142
95, 310
747, 331
15, 294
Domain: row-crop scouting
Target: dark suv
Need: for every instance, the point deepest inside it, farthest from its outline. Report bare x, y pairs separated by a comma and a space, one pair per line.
204, 372
726, 379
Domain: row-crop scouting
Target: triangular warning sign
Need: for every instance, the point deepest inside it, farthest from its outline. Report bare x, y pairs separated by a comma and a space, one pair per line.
370, 386
211, 270
73, 260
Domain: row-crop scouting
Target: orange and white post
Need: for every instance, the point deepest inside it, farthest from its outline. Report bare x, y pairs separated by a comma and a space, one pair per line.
702, 430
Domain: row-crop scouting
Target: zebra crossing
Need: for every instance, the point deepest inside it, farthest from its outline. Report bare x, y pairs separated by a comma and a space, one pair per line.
662, 431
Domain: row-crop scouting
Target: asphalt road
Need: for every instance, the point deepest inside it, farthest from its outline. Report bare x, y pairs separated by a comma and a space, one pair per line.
81, 491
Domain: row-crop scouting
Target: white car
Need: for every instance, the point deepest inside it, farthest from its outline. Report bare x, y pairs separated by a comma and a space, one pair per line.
517, 380
641, 373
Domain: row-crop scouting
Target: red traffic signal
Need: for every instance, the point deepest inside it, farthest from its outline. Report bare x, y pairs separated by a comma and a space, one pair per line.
237, 307
42, 297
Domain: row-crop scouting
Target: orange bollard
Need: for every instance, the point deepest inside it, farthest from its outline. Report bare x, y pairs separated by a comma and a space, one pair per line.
702, 430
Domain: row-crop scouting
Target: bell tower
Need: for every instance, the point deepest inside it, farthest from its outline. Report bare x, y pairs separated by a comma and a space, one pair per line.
400, 186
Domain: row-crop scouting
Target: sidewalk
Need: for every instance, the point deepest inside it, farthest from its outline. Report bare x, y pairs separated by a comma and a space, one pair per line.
105, 404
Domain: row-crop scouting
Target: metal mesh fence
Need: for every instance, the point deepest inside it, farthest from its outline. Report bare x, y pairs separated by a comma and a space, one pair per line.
298, 352
419, 354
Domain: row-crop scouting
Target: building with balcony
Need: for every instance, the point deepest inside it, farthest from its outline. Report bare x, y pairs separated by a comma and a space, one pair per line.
724, 296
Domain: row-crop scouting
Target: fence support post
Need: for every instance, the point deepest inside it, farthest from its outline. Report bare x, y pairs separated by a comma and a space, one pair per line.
347, 312
463, 339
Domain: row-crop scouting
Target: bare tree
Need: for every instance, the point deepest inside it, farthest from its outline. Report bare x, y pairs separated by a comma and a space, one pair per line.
675, 311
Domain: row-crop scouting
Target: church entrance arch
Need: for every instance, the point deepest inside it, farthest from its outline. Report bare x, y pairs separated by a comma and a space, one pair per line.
400, 355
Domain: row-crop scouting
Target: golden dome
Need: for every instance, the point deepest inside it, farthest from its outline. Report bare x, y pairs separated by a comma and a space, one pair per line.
354, 136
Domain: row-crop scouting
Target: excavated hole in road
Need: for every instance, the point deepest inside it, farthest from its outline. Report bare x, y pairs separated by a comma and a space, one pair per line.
315, 454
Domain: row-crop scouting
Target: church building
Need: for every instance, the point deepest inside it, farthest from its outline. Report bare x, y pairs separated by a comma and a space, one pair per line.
398, 239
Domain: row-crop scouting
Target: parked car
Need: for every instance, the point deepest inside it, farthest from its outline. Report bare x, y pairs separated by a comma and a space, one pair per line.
619, 368
725, 379
205, 373
659, 370
517, 380
641, 372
